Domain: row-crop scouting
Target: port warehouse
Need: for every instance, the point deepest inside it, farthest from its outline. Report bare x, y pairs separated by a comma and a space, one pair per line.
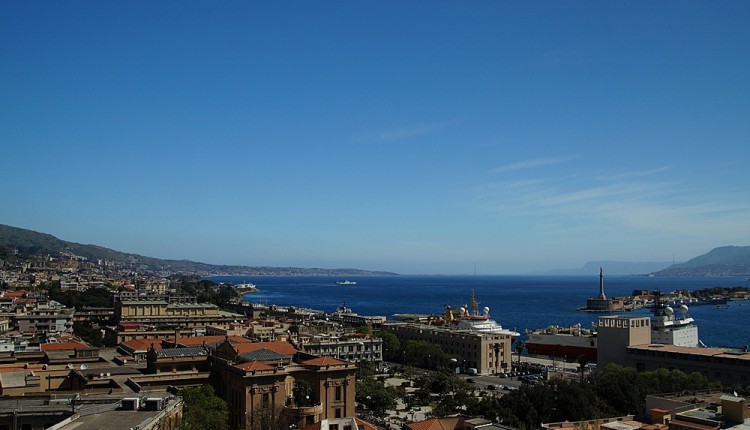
489, 353
731, 368
626, 341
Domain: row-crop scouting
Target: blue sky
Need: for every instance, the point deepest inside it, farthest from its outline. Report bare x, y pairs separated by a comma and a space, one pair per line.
415, 137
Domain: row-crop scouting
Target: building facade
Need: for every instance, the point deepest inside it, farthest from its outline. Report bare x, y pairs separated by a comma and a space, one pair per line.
489, 353
258, 382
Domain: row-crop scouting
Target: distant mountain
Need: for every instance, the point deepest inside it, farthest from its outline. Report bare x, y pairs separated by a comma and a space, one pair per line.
617, 268
722, 261
29, 242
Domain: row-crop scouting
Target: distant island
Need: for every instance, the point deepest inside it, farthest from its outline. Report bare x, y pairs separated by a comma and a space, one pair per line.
14, 240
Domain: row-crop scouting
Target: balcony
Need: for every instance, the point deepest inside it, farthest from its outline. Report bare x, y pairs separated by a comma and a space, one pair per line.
304, 416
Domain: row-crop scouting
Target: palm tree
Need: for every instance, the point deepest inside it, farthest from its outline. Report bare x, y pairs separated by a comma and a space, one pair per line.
582, 361
520, 345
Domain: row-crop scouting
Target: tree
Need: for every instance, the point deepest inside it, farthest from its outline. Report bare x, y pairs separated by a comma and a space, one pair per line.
302, 391
583, 361
269, 418
520, 345
391, 346
376, 396
424, 354
88, 332
203, 410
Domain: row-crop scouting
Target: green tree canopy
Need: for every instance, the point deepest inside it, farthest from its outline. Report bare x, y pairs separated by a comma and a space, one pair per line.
203, 410
391, 346
376, 396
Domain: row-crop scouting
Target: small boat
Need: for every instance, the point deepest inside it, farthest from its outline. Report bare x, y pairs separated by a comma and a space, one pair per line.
346, 282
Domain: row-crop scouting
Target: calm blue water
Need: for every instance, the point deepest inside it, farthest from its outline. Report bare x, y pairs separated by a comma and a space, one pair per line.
516, 302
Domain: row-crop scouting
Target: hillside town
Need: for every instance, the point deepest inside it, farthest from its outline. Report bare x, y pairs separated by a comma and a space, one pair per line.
90, 345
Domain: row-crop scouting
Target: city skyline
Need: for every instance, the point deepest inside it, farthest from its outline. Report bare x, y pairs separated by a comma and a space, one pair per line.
413, 138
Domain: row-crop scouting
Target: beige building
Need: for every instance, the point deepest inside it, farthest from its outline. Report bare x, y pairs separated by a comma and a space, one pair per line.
616, 333
729, 367
626, 341
489, 353
259, 378
161, 312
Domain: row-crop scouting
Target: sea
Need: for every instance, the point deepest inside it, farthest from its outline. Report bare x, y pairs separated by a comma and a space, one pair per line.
516, 302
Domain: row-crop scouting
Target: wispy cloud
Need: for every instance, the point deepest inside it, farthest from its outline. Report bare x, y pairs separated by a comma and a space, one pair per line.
399, 133
528, 164
630, 206
639, 173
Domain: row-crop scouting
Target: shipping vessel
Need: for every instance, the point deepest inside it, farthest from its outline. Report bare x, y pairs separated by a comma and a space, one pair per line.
563, 342
469, 318
668, 327
245, 288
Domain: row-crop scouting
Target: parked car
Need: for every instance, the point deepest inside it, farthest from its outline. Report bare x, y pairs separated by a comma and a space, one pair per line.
492, 387
471, 380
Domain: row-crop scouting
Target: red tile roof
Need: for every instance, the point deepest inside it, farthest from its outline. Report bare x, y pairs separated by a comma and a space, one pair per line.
253, 365
199, 340
279, 347
142, 344
323, 361
365, 424
62, 346
434, 424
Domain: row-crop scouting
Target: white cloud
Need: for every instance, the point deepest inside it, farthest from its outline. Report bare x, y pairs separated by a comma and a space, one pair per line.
619, 208
528, 164
398, 133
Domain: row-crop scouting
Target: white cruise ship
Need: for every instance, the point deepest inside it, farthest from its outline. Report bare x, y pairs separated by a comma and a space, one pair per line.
472, 320
669, 329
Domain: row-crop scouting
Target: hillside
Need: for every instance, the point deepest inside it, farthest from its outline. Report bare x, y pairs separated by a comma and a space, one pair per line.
615, 268
29, 242
722, 261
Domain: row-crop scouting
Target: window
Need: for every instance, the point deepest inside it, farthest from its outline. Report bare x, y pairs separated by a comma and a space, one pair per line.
338, 415
338, 393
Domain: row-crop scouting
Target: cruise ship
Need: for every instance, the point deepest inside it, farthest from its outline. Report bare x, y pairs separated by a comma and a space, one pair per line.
669, 329
469, 318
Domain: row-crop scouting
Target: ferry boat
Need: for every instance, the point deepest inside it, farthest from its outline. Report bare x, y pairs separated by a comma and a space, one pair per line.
245, 288
346, 282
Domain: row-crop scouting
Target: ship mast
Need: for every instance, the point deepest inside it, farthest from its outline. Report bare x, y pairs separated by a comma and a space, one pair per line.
474, 305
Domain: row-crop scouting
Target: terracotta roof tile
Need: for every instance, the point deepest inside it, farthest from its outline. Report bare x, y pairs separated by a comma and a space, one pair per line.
142, 344
364, 424
429, 424
253, 365
62, 346
324, 361
279, 347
